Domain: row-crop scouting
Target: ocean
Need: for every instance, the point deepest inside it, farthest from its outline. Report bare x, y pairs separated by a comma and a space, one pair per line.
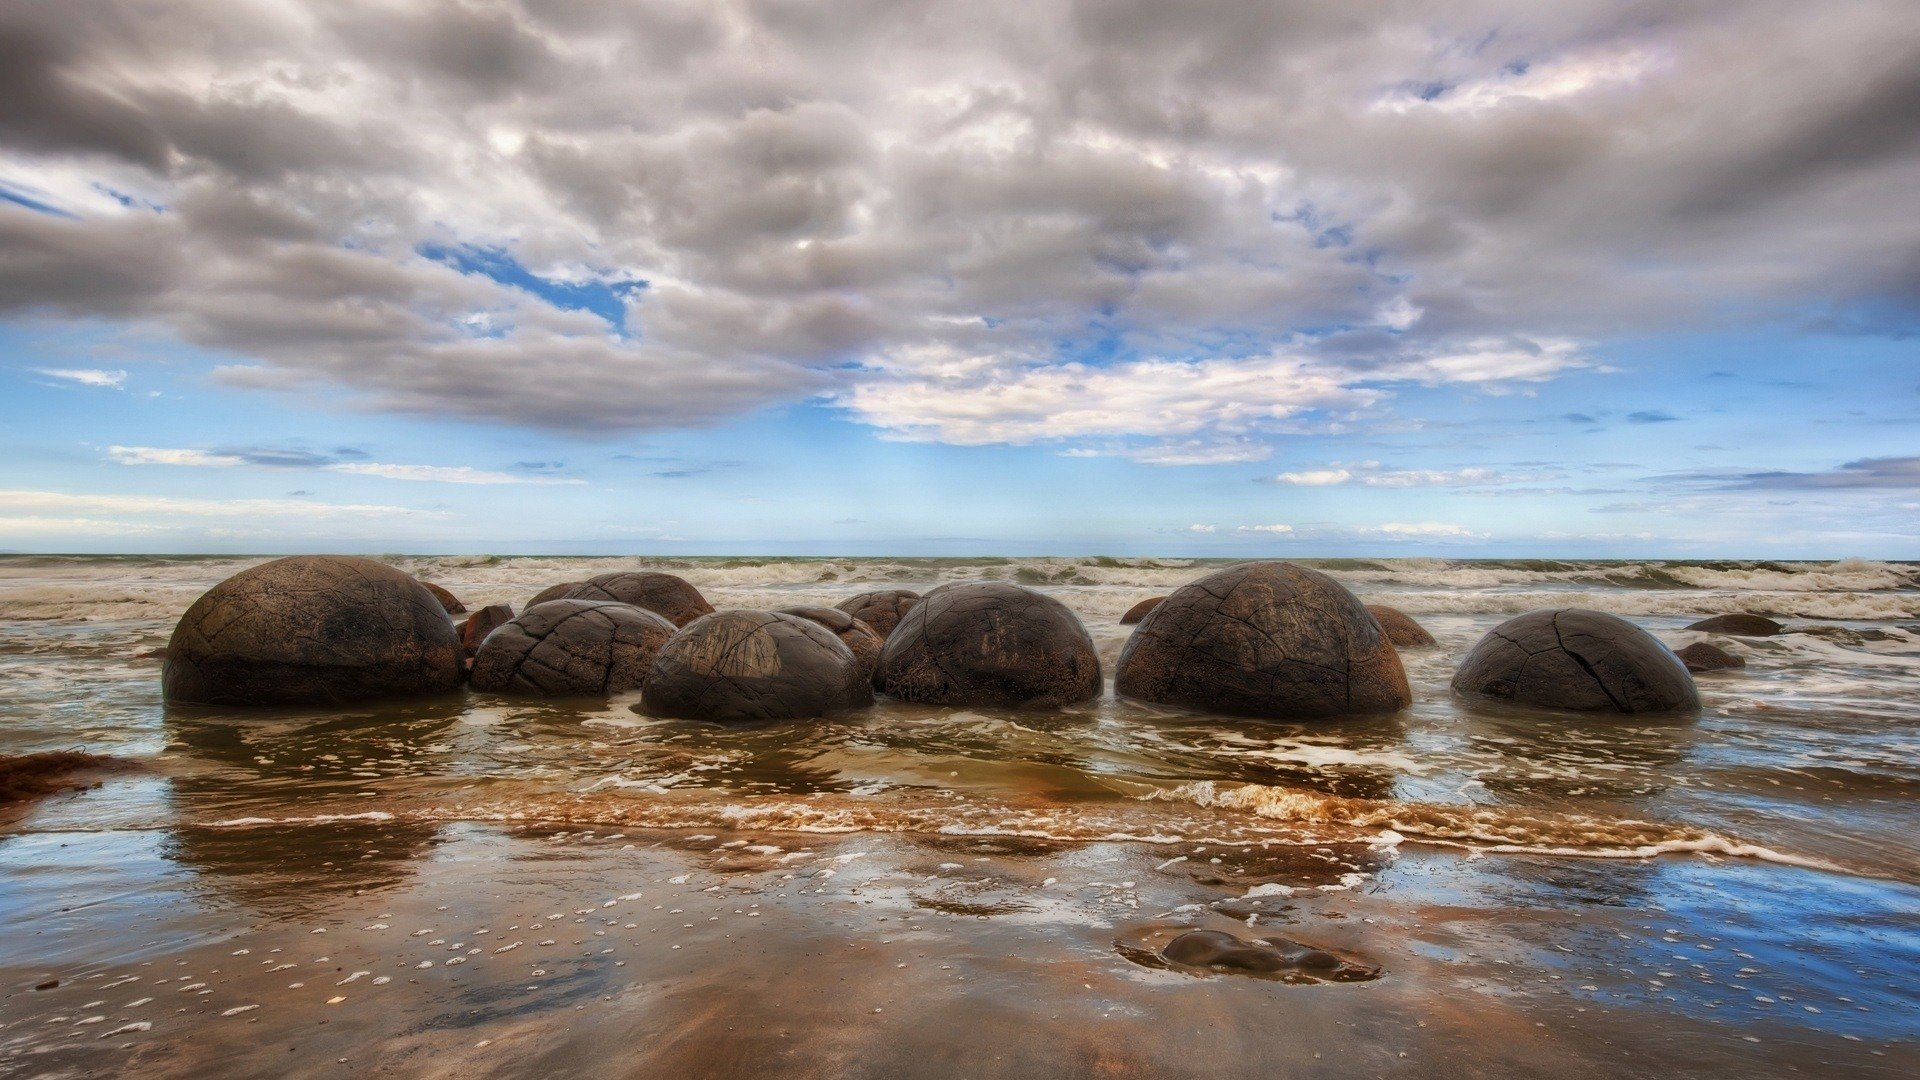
1736, 893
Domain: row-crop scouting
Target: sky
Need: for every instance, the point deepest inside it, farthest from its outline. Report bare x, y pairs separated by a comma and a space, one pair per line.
1466, 278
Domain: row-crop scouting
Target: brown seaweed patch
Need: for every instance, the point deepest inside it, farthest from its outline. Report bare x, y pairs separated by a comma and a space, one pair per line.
32, 776
1174, 947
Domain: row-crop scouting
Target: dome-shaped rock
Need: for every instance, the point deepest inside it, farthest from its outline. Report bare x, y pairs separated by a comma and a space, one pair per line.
447, 600
1739, 625
481, 623
1701, 656
1140, 610
854, 634
312, 629
1400, 627
553, 592
754, 665
881, 610
571, 648
1571, 658
1264, 639
990, 643
671, 596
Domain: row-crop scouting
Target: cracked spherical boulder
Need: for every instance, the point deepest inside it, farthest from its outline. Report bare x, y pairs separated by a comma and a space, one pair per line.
990, 643
673, 597
1400, 627
312, 629
552, 592
881, 610
571, 648
1585, 661
754, 665
853, 633
1265, 639
1140, 610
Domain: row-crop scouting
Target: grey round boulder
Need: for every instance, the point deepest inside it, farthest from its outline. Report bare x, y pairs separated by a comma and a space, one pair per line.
990, 643
1571, 658
754, 665
671, 596
1738, 625
1140, 610
312, 629
881, 610
1400, 627
857, 636
1266, 639
571, 648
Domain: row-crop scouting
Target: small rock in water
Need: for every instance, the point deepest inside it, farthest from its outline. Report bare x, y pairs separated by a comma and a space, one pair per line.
1738, 625
1263, 957
1701, 656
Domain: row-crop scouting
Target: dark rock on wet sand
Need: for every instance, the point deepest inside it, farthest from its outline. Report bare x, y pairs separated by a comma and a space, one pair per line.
990, 643
1139, 611
881, 610
670, 596
1571, 658
312, 629
1739, 625
1700, 656
447, 600
1265, 639
1400, 627
480, 624
571, 648
754, 665
853, 633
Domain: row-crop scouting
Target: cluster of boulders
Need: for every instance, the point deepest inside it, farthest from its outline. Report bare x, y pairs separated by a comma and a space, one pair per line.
1270, 640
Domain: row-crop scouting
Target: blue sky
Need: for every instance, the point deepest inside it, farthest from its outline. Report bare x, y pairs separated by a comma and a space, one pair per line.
784, 304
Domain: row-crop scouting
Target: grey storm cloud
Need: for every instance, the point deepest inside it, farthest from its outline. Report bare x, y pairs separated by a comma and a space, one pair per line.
906, 207
1883, 472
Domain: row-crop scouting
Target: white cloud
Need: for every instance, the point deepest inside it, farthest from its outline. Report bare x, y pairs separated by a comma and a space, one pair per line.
443, 474
1202, 528
30, 503
1281, 530
1314, 477
1421, 529
1371, 474
1554, 80
108, 380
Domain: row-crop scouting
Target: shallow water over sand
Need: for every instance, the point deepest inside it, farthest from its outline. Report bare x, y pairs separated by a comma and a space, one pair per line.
929, 891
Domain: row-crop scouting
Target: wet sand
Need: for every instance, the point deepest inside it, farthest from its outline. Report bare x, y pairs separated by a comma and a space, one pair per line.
482, 949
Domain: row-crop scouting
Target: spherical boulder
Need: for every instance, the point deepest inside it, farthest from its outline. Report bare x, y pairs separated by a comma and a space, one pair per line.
312, 629
881, 610
990, 643
1739, 625
671, 596
1139, 611
1701, 656
754, 665
1400, 627
854, 634
571, 648
552, 592
1571, 658
1266, 639
481, 623
447, 600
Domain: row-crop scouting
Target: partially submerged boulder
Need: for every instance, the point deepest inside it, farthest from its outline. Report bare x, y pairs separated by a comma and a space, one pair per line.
447, 600
480, 624
1400, 627
553, 592
1264, 639
1738, 625
854, 634
1702, 656
882, 609
571, 648
990, 643
312, 629
1139, 611
754, 665
670, 596
1571, 658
